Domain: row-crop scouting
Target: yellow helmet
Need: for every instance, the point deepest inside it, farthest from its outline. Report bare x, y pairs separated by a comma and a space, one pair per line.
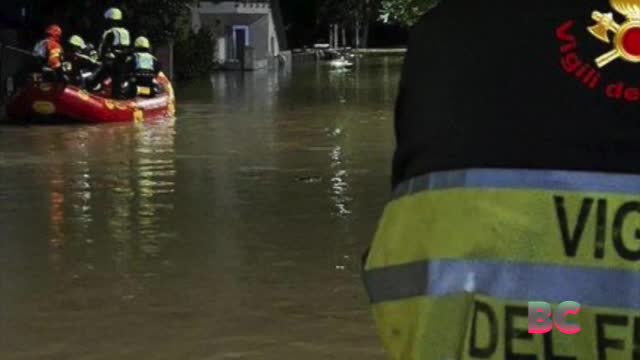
113, 14
78, 42
142, 43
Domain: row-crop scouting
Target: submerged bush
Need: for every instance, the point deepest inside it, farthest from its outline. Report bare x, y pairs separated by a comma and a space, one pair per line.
193, 55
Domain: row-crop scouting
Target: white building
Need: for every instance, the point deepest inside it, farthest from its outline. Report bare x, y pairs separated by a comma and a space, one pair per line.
249, 30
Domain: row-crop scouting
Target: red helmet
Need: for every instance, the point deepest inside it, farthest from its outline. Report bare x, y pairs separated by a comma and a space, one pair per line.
54, 31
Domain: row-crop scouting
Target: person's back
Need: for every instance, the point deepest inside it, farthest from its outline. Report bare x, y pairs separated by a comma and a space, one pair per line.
82, 64
113, 51
143, 68
48, 55
514, 124
115, 43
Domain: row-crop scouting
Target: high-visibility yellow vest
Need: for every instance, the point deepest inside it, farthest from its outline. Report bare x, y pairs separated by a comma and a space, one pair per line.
121, 39
144, 61
458, 255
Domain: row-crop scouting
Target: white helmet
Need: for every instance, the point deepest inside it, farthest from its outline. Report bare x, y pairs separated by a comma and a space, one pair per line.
142, 43
78, 42
113, 14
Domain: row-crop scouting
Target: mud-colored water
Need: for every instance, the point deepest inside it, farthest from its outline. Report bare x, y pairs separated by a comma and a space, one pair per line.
233, 233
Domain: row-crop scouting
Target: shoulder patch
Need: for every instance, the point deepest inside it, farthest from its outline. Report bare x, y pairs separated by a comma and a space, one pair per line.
623, 37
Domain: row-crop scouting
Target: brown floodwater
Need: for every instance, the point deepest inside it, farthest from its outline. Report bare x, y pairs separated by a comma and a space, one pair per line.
234, 232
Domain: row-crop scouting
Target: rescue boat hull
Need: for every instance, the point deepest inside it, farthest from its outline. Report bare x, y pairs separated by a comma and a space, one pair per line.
47, 102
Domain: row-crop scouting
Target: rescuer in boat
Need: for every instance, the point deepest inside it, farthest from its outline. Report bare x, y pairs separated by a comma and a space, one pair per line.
113, 52
82, 61
49, 53
143, 69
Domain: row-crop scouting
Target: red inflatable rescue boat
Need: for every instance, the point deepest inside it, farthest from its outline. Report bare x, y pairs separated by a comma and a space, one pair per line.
41, 101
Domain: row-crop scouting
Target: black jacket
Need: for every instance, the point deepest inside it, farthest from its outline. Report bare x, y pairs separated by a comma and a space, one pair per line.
513, 84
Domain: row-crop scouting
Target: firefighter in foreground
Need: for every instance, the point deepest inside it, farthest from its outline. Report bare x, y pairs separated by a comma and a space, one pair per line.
516, 179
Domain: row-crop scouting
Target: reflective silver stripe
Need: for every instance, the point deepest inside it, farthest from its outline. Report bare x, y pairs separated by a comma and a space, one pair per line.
522, 179
41, 49
509, 281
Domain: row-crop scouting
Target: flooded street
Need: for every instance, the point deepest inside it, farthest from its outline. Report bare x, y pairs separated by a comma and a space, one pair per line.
233, 233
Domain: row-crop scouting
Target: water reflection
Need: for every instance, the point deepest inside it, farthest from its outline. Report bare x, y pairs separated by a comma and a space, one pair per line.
70, 195
56, 219
143, 191
115, 193
340, 186
254, 91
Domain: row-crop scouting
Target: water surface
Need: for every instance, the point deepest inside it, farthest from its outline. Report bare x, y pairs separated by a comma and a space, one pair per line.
234, 232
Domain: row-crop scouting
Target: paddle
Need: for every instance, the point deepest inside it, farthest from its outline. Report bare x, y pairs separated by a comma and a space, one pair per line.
18, 50
30, 53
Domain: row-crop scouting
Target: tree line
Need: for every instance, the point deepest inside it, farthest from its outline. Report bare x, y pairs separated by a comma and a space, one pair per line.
164, 20
311, 20
161, 20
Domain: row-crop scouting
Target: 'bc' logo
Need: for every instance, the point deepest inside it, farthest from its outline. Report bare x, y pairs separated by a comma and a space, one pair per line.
626, 36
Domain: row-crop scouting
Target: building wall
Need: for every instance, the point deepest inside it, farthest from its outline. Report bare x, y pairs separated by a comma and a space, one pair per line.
264, 38
259, 37
273, 35
221, 17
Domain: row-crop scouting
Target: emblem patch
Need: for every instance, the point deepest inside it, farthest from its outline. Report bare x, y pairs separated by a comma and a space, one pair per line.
626, 36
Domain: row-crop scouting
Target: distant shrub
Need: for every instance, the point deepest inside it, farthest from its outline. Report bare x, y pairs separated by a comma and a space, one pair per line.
193, 55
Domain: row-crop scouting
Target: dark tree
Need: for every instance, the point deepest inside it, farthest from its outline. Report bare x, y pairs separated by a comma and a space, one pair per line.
405, 12
159, 20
